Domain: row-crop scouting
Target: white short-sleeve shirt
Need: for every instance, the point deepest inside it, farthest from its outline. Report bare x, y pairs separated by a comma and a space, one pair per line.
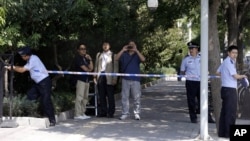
227, 69
191, 66
36, 68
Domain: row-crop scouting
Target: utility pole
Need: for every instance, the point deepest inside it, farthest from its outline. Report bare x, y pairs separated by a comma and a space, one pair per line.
204, 72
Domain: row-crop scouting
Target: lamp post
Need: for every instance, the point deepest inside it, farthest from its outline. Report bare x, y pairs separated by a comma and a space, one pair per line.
204, 71
152, 4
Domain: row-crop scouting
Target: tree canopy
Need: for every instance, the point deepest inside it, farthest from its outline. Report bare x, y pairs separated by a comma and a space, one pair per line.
55, 27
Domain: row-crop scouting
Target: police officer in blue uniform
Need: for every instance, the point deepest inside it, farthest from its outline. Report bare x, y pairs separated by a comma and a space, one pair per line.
42, 83
190, 67
229, 76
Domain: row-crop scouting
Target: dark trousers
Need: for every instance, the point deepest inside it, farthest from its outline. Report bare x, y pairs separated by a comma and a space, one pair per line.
43, 90
106, 97
193, 98
228, 111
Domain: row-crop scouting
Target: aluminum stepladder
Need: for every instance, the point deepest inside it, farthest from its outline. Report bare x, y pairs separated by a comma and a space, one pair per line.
95, 96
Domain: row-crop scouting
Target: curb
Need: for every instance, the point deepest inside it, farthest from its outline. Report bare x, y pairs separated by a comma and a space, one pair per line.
35, 122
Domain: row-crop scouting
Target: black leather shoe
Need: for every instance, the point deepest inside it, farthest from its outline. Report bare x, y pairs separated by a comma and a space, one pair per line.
194, 120
210, 120
52, 124
110, 116
101, 115
197, 111
223, 136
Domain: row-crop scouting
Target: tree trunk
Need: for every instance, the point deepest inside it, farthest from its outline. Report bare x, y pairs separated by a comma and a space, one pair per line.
236, 14
58, 76
214, 59
240, 63
232, 22
242, 22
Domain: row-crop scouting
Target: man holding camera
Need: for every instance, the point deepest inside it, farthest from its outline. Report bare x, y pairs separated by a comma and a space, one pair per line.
130, 58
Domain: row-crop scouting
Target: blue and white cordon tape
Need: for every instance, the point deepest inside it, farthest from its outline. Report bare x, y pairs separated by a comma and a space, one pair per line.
125, 74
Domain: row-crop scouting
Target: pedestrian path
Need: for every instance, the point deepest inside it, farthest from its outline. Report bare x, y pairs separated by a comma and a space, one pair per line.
164, 117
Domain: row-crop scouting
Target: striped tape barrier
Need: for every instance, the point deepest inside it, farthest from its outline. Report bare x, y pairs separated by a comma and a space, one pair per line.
126, 74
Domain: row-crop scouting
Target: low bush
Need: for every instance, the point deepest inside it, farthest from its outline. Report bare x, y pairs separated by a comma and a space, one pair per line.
21, 106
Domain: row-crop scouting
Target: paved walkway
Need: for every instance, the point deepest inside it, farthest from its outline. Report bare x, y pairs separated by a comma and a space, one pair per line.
164, 118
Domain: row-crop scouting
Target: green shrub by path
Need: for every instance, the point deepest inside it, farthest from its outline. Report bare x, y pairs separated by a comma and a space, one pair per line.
21, 106
63, 101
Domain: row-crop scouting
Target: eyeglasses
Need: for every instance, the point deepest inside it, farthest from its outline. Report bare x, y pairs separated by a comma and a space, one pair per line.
82, 48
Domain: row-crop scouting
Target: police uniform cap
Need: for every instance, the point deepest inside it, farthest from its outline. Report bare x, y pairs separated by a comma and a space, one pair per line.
192, 45
24, 51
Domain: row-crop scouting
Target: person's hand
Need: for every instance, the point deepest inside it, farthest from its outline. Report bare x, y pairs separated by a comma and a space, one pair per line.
125, 48
88, 57
95, 80
134, 48
114, 81
8, 67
